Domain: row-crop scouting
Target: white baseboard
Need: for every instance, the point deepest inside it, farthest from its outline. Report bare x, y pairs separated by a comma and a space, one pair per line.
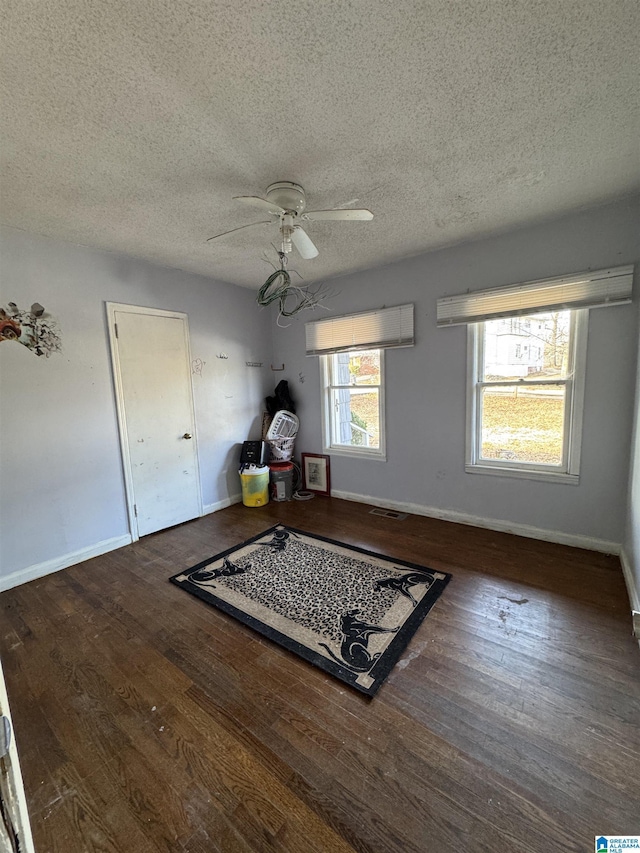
225, 502
41, 569
575, 540
32, 572
632, 589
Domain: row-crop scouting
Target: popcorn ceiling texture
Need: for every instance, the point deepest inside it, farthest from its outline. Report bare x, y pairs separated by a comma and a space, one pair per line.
129, 126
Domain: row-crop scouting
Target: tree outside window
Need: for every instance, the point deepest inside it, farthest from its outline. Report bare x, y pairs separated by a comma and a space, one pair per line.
353, 401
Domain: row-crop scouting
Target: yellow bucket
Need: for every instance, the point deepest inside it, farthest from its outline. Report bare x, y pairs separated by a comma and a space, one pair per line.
255, 485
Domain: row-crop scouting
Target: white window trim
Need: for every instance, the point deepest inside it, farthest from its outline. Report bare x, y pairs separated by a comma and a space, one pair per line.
378, 454
570, 472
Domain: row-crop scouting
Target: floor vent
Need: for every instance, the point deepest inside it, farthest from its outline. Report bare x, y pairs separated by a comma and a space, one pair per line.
389, 513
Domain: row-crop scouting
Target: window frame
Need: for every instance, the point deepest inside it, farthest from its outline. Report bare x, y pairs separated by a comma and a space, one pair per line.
569, 471
375, 453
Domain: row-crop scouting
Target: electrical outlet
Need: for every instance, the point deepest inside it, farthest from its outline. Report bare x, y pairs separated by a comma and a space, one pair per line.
635, 616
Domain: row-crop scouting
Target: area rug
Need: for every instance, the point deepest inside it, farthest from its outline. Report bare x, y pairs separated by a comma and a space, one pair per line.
347, 610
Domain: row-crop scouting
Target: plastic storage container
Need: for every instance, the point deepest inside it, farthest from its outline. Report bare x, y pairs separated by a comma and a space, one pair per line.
255, 485
281, 436
281, 481
280, 449
284, 425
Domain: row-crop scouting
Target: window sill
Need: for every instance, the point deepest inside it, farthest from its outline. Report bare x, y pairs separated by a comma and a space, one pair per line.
524, 474
354, 453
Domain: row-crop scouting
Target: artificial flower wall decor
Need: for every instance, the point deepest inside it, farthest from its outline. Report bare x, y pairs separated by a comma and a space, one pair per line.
35, 329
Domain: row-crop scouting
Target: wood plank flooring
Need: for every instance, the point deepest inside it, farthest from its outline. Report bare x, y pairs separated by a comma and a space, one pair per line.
148, 721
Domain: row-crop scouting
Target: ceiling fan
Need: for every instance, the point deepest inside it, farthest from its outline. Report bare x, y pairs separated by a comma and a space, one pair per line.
287, 201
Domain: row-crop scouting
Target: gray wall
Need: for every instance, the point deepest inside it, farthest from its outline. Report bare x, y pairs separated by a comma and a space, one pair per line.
61, 483
425, 401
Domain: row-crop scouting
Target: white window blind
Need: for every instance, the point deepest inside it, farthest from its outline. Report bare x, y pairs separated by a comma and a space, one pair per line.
381, 329
583, 290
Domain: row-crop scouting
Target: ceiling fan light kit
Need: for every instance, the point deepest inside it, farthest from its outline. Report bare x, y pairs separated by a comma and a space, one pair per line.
288, 202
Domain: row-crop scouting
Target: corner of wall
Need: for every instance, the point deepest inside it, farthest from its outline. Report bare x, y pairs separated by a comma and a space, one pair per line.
630, 580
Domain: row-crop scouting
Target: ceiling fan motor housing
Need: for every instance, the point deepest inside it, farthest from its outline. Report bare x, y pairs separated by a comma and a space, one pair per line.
287, 201
287, 195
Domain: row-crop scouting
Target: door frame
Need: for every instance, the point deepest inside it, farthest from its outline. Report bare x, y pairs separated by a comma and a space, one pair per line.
20, 808
127, 469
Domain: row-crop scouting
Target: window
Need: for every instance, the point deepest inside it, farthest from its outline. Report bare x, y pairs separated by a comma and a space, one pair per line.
351, 350
525, 398
527, 354
353, 402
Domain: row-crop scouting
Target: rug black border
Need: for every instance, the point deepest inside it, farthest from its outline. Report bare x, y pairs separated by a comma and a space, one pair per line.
381, 669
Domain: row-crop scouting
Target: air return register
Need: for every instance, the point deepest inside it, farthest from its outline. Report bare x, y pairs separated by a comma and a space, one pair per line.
389, 513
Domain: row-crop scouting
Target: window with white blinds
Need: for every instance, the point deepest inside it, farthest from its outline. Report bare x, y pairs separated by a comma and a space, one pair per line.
584, 290
381, 329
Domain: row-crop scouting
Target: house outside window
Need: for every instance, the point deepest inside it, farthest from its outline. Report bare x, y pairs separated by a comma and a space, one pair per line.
353, 402
525, 395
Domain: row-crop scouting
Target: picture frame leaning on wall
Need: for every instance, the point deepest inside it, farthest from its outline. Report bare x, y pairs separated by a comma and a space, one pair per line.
316, 473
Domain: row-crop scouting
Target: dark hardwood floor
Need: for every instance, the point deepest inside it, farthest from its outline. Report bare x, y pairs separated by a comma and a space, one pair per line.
148, 721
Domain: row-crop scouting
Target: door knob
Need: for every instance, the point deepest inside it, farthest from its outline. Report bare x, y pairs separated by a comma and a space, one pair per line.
187, 435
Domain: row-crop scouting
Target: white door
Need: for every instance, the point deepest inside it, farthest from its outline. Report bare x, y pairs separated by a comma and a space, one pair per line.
15, 830
152, 368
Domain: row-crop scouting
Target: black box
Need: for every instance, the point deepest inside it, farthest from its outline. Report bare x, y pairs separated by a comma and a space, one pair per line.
254, 453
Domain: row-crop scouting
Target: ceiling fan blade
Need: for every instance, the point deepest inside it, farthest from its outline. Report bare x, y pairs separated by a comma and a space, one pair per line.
303, 243
348, 213
250, 225
262, 203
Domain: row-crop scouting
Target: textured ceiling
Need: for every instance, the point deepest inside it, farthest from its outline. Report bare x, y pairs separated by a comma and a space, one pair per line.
129, 126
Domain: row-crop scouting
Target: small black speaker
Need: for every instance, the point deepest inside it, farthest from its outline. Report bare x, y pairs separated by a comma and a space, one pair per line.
254, 453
